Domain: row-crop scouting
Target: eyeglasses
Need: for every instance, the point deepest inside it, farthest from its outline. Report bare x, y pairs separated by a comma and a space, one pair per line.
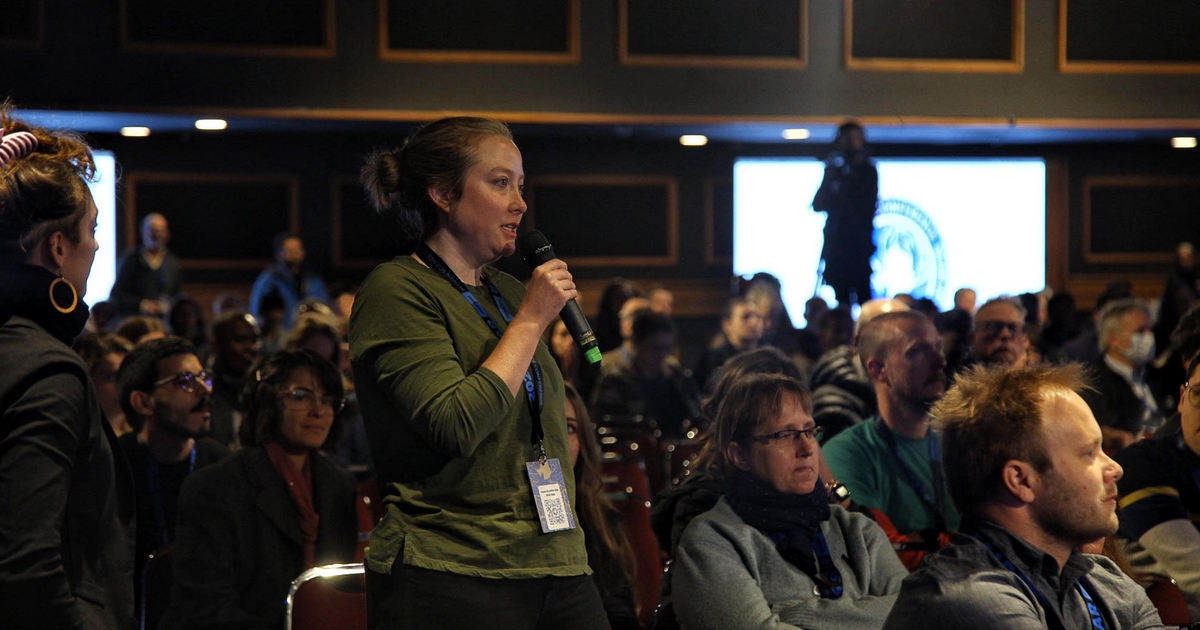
302, 397
189, 382
1193, 394
994, 327
789, 436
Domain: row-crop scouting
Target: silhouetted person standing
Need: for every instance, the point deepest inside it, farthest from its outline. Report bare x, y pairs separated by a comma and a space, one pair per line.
848, 195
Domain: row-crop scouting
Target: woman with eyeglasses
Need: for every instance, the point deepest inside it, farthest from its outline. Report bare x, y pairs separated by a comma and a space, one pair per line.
66, 507
250, 524
773, 552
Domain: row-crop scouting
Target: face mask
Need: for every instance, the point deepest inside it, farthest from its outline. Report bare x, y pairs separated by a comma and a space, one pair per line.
1141, 348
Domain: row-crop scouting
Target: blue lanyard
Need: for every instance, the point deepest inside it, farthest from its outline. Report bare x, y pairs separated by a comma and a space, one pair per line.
154, 481
1093, 611
832, 589
933, 501
533, 376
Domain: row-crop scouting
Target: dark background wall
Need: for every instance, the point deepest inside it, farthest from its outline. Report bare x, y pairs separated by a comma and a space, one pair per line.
321, 82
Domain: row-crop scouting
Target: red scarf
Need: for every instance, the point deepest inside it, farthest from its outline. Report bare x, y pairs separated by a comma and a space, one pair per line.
300, 487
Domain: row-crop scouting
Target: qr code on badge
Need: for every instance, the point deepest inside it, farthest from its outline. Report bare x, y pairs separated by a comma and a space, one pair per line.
554, 507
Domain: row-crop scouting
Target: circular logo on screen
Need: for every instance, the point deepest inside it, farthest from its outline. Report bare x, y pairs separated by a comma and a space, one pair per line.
909, 254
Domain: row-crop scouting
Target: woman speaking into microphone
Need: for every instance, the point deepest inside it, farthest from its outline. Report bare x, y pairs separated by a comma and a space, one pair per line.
463, 406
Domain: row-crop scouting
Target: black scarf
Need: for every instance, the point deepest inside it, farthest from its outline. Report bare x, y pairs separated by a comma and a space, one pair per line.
790, 520
26, 293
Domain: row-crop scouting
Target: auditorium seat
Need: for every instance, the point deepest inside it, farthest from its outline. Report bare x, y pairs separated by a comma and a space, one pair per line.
329, 596
628, 487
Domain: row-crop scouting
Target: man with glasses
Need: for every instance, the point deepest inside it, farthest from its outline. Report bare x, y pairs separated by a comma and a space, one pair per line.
1160, 495
165, 393
891, 462
998, 333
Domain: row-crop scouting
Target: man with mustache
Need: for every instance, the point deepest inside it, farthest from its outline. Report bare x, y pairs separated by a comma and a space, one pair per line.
1024, 462
165, 393
890, 462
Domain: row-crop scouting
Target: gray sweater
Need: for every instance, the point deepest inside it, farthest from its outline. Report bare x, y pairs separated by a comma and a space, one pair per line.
728, 576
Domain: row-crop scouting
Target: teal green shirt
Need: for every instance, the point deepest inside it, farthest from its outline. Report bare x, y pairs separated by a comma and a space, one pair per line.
446, 435
862, 460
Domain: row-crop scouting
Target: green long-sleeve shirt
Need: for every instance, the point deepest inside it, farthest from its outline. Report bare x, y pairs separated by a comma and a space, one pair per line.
446, 435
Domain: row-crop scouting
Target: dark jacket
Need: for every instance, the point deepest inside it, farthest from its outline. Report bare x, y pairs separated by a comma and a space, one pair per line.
1112, 401
238, 544
66, 498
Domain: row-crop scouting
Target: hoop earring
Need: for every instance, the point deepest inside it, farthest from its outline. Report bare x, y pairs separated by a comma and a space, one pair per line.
74, 295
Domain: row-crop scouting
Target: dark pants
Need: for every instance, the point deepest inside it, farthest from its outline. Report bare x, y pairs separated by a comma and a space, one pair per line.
413, 598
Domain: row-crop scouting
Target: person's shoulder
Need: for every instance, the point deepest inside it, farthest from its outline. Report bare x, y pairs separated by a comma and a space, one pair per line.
326, 467
209, 450
29, 347
857, 436
715, 522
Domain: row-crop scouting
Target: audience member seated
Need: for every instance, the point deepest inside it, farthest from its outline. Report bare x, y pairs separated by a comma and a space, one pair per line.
998, 333
186, 319
148, 277
1085, 347
1185, 346
773, 552
622, 354
139, 329
1180, 292
1159, 494
1024, 463
1122, 401
576, 372
808, 339
319, 332
236, 346
609, 554
662, 301
1061, 326
607, 324
842, 392
251, 523
103, 353
964, 301
741, 329
955, 328
650, 384
164, 391
891, 462
764, 291
286, 279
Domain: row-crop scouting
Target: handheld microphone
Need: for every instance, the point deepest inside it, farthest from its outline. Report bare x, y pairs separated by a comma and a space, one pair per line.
536, 250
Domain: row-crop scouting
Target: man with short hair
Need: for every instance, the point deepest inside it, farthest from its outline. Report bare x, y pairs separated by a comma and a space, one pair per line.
741, 330
165, 394
1122, 400
998, 333
1159, 495
237, 344
286, 281
842, 392
622, 355
148, 277
1024, 464
964, 300
891, 462
651, 385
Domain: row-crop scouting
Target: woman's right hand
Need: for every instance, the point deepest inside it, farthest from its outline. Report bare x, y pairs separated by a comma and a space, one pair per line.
547, 293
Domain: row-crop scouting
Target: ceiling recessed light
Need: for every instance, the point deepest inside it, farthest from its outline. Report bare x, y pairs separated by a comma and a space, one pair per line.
693, 140
211, 124
796, 134
1184, 142
135, 132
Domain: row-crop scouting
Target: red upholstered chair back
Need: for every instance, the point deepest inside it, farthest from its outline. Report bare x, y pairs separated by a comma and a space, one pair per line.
329, 596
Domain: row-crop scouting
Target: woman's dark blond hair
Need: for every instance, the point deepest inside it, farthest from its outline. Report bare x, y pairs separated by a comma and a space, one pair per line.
44, 191
437, 156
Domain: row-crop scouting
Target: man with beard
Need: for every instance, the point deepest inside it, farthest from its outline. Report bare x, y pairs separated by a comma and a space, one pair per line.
165, 393
891, 462
1024, 464
998, 334
237, 344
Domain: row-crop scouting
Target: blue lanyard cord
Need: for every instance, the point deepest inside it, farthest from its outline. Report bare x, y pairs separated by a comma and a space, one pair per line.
534, 388
933, 501
1093, 611
831, 587
154, 482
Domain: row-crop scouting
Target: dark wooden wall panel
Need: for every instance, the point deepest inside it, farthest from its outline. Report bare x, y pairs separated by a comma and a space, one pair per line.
935, 35
616, 220
1129, 36
294, 27
748, 33
718, 221
1138, 219
361, 238
217, 221
21, 23
530, 31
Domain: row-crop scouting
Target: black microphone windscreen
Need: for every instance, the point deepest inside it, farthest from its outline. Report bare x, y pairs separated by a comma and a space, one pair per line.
535, 249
